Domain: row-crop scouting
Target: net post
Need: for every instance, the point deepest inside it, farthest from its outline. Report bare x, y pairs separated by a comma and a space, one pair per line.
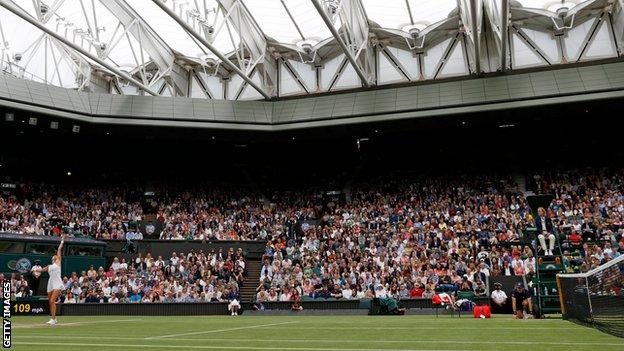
591, 309
560, 291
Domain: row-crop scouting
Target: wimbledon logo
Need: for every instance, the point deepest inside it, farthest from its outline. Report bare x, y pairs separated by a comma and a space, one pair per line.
22, 265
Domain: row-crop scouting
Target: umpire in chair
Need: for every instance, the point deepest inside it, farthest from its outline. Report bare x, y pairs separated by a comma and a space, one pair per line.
545, 229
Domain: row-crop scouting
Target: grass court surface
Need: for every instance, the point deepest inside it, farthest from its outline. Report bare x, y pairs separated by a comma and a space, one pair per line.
306, 333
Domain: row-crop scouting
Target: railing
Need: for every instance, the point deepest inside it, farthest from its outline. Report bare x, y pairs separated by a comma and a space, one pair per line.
17, 71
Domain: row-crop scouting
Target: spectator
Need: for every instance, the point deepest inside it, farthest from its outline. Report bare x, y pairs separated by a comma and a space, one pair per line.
498, 296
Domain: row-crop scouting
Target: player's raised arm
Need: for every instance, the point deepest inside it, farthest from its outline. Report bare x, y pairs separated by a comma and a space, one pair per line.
59, 251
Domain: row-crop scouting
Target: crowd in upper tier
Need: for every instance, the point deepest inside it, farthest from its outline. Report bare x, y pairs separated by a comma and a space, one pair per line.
396, 237
489, 208
103, 213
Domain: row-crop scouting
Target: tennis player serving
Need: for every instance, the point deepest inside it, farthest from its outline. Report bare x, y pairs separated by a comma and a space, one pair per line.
55, 283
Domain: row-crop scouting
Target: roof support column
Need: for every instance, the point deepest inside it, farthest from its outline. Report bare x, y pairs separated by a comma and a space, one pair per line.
475, 22
617, 25
496, 19
504, 29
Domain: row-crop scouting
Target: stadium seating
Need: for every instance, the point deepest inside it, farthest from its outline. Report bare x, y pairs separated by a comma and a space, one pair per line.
391, 239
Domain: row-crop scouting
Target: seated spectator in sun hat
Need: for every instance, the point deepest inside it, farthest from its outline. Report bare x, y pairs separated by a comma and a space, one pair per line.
498, 296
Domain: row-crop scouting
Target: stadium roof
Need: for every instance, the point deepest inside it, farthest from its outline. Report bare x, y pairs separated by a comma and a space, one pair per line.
255, 49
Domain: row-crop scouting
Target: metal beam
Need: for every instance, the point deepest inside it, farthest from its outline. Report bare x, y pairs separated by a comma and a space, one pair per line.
617, 25
25, 16
395, 62
159, 52
590, 35
341, 43
445, 56
613, 35
295, 75
531, 44
292, 19
210, 47
504, 33
253, 43
476, 35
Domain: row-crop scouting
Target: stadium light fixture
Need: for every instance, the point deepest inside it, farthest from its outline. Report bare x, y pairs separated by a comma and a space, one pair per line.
359, 142
417, 41
32, 121
54, 125
76, 128
9, 117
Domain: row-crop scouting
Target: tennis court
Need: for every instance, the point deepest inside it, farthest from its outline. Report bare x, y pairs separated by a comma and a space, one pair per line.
355, 333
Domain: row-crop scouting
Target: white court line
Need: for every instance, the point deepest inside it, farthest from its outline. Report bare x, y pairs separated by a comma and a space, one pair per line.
416, 327
220, 330
206, 347
507, 342
60, 324
572, 328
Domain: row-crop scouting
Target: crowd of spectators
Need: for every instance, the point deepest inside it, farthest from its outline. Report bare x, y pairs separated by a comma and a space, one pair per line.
416, 238
391, 238
200, 214
193, 277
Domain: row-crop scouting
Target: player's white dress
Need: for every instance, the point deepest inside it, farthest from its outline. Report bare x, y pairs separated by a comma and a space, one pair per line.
55, 282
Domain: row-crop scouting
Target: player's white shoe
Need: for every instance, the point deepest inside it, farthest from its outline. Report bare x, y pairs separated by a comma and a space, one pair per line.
52, 322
